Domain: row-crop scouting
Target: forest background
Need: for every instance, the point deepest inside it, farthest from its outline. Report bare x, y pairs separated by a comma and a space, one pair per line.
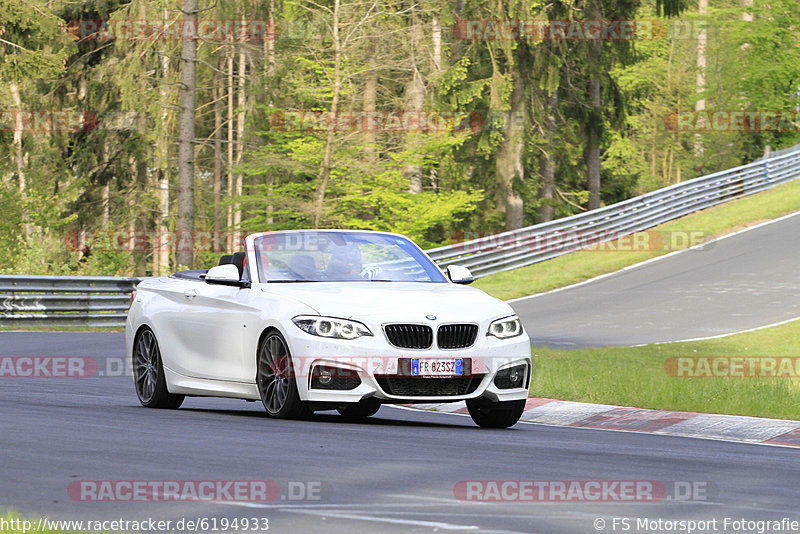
137, 137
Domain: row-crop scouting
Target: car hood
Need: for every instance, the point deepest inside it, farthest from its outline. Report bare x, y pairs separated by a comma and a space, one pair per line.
395, 301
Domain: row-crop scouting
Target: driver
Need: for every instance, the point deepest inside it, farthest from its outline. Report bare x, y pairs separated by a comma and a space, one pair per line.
346, 264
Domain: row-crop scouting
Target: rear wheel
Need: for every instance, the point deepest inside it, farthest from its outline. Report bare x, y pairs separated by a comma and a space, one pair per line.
276, 380
364, 408
488, 414
148, 374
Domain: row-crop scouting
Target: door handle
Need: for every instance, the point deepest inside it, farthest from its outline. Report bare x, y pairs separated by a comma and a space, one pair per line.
190, 293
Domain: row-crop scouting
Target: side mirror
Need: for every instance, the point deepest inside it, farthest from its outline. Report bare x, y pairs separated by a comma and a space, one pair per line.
459, 274
225, 275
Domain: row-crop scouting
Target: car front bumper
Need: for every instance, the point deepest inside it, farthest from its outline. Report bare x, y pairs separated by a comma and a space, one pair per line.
381, 375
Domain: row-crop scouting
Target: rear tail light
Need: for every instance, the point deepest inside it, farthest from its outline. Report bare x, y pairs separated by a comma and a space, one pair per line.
133, 296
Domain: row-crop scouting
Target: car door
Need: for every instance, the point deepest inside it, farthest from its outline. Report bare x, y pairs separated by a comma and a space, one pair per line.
215, 329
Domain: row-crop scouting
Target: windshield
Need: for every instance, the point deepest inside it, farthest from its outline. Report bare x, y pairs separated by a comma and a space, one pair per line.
323, 256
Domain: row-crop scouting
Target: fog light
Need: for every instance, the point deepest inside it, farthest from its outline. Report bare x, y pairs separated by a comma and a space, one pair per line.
334, 378
325, 376
512, 377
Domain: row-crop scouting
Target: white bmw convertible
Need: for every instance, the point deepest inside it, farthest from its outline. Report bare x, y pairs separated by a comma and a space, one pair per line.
328, 320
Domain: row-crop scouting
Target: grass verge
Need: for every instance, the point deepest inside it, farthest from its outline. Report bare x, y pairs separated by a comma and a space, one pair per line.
582, 265
638, 376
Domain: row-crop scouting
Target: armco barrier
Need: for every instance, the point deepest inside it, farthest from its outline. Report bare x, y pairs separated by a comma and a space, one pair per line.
103, 301
518, 248
64, 300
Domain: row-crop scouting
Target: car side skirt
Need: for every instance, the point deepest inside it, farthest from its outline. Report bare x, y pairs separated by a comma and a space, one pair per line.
186, 385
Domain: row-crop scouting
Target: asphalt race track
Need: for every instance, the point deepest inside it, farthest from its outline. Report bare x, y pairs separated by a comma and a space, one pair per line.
745, 281
401, 470
394, 473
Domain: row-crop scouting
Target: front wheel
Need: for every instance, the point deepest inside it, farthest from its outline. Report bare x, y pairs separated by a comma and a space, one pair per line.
148, 374
488, 414
276, 380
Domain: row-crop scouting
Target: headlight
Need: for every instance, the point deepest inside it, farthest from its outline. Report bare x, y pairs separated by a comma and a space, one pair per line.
331, 327
505, 328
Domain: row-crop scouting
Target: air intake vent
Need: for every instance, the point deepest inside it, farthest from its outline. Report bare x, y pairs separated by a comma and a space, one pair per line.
456, 336
409, 336
429, 387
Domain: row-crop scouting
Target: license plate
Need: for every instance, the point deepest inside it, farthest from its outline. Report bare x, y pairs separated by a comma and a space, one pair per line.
437, 367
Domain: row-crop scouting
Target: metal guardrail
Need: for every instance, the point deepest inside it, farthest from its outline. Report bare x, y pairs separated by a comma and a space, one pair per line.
103, 301
526, 246
775, 154
32, 301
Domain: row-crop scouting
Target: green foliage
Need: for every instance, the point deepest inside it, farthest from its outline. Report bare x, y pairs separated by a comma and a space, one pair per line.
752, 65
10, 241
35, 42
362, 196
622, 169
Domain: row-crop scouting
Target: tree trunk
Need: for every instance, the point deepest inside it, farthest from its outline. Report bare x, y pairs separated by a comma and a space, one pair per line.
216, 94
436, 42
702, 42
136, 226
269, 70
457, 47
325, 167
21, 162
415, 99
547, 163
593, 157
185, 251
105, 201
163, 226
594, 126
229, 175
139, 183
162, 248
269, 41
508, 161
237, 208
369, 101
130, 198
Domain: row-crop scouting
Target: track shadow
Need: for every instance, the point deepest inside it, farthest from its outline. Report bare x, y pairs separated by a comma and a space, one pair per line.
334, 418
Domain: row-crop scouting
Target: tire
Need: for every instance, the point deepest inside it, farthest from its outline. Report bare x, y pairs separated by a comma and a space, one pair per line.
364, 408
148, 374
488, 414
276, 380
